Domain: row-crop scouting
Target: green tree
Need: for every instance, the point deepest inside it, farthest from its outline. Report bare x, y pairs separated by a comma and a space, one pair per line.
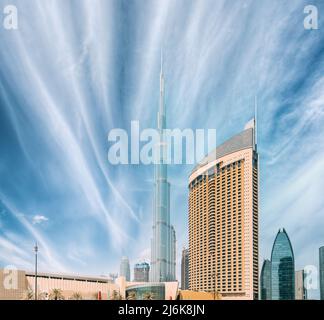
116, 296
56, 294
131, 295
148, 296
42, 296
76, 296
29, 295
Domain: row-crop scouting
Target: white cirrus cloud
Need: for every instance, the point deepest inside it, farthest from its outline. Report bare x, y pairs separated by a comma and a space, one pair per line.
37, 219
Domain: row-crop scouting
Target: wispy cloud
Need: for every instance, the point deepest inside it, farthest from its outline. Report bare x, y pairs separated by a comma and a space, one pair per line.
38, 219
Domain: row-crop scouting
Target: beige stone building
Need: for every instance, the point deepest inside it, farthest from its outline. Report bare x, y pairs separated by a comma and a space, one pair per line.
223, 219
20, 285
17, 284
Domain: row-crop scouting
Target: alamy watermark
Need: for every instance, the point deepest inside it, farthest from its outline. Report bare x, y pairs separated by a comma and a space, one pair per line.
10, 278
311, 20
10, 17
151, 146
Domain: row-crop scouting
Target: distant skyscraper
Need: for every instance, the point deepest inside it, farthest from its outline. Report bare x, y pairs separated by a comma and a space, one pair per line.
163, 242
173, 255
125, 268
141, 272
265, 281
223, 219
300, 290
282, 268
185, 269
321, 270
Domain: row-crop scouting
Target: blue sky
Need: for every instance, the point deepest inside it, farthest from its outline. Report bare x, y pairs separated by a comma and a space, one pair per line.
74, 70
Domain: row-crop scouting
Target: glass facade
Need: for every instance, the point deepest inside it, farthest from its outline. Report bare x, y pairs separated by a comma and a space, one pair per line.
163, 248
282, 268
185, 269
152, 291
141, 272
265, 290
321, 270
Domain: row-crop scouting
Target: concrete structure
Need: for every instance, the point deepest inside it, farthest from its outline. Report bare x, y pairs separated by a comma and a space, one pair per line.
124, 270
223, 219
185, 269
265, 281
321, 271
22, 284
163, 249
141, 272
300, 289
282, 268
19, 285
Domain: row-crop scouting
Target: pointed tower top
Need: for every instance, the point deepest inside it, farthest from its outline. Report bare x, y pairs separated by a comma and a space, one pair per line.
256, 119
161, 61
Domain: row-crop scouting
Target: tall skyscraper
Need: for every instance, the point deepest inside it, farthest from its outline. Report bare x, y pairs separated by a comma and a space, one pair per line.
223, 219
124, 270
282, 268
321, 271
300, 289
163, 242
185, 269
265, 281
141, 272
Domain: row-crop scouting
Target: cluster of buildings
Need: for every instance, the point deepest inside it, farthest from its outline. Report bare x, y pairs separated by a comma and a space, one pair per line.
222, 258
141, 270
279, 280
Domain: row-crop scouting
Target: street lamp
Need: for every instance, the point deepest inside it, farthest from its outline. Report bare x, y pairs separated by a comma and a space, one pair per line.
36, 250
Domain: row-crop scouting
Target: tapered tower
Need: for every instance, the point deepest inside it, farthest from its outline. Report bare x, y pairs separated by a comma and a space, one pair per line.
163, 241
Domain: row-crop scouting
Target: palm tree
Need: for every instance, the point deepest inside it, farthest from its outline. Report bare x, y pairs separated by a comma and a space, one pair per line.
42, 296
131, 295
76, 296
56, 294
116, 296
29, 295
148, 296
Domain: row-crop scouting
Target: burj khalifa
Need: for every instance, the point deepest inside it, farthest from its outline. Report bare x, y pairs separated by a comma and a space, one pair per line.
163, 243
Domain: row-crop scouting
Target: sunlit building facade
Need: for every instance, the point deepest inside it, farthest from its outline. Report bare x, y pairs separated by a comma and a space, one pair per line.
22, 286
223, 219
282, 268
300, 288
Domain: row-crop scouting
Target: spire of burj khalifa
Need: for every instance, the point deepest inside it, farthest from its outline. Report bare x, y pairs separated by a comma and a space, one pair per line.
163, 251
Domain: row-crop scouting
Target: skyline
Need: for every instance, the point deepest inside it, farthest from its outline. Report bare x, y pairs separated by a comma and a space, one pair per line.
59, 103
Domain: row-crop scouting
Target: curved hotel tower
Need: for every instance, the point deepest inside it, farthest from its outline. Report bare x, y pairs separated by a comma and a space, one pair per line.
163, 251
282, 268
223, 219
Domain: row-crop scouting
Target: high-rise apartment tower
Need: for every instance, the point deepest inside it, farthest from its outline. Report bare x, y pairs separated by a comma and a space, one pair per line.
223, 219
